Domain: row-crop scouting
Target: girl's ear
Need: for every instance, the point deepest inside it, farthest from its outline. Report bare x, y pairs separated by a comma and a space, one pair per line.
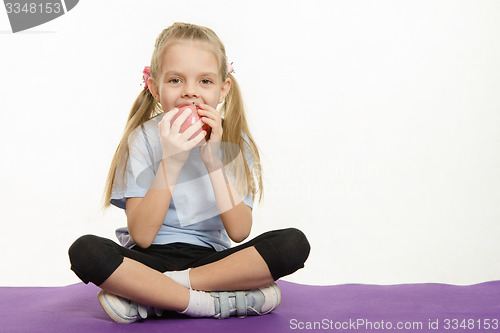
226, 86
153, 89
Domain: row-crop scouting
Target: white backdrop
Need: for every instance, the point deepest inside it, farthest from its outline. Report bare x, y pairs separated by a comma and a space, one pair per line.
378, 121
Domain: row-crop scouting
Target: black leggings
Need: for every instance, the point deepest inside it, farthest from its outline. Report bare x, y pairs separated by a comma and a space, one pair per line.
95, 258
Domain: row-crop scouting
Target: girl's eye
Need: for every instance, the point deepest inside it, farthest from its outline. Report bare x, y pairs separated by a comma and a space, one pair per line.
174, 80
206, 81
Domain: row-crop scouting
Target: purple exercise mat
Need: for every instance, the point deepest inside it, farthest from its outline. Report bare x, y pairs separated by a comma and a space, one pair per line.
340, 308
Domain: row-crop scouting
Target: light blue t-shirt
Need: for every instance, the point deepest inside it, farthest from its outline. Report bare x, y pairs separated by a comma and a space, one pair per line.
192, 216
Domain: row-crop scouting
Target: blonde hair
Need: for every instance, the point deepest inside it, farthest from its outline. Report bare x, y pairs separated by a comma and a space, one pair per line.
235, 127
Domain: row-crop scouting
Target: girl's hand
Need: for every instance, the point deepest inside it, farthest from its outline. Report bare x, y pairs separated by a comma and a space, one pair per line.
212, 118
176, 146
210, 151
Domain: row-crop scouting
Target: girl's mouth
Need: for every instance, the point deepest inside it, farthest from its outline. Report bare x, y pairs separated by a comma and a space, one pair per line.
187, 104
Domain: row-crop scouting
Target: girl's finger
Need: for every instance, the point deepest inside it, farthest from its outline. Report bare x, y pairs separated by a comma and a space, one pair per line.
206, 113
167, 116
192, 129
170, 114
180, 120
190, 144
164, 124
210, 122
207, 109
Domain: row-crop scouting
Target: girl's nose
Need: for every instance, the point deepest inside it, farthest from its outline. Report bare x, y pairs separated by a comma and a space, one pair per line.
190, 89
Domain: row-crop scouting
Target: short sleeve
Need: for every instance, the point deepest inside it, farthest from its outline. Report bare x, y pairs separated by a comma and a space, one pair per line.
248, 200
139, 171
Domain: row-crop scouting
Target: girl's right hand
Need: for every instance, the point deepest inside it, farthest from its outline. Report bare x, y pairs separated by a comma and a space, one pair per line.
176, 146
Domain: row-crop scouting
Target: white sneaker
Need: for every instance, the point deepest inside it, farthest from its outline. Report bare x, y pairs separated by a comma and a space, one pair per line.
123, 310
255, 302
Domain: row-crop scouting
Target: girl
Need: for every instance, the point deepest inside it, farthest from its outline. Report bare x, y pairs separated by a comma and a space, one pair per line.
186, 198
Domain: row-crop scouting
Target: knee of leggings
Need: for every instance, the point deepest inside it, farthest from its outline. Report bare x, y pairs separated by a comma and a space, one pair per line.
294, 249
83, 255
298, 245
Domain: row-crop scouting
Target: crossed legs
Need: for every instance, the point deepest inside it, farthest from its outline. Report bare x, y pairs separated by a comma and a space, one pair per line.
137, 274
245, 269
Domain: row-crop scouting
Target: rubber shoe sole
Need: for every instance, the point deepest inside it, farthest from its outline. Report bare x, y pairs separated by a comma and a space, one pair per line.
272, 294
115, 308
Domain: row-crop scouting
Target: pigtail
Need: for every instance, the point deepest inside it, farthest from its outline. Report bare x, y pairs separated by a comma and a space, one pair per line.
235, 124
144, 108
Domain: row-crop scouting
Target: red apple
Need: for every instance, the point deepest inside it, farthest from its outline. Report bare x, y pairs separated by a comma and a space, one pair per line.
191, 119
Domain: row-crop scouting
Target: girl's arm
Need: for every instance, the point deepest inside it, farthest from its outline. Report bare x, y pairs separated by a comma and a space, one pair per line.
235, 214
145, 216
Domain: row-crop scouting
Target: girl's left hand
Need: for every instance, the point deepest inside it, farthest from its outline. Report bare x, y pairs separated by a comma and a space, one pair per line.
210, 151
212, 118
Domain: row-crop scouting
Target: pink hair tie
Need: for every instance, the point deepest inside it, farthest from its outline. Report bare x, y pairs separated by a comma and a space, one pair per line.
230, 68
145, 76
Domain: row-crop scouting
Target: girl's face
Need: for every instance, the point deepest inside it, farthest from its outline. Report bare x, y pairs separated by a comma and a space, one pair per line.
190, 73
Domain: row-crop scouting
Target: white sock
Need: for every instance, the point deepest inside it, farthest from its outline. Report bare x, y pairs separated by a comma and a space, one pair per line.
181, 277
201, 304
